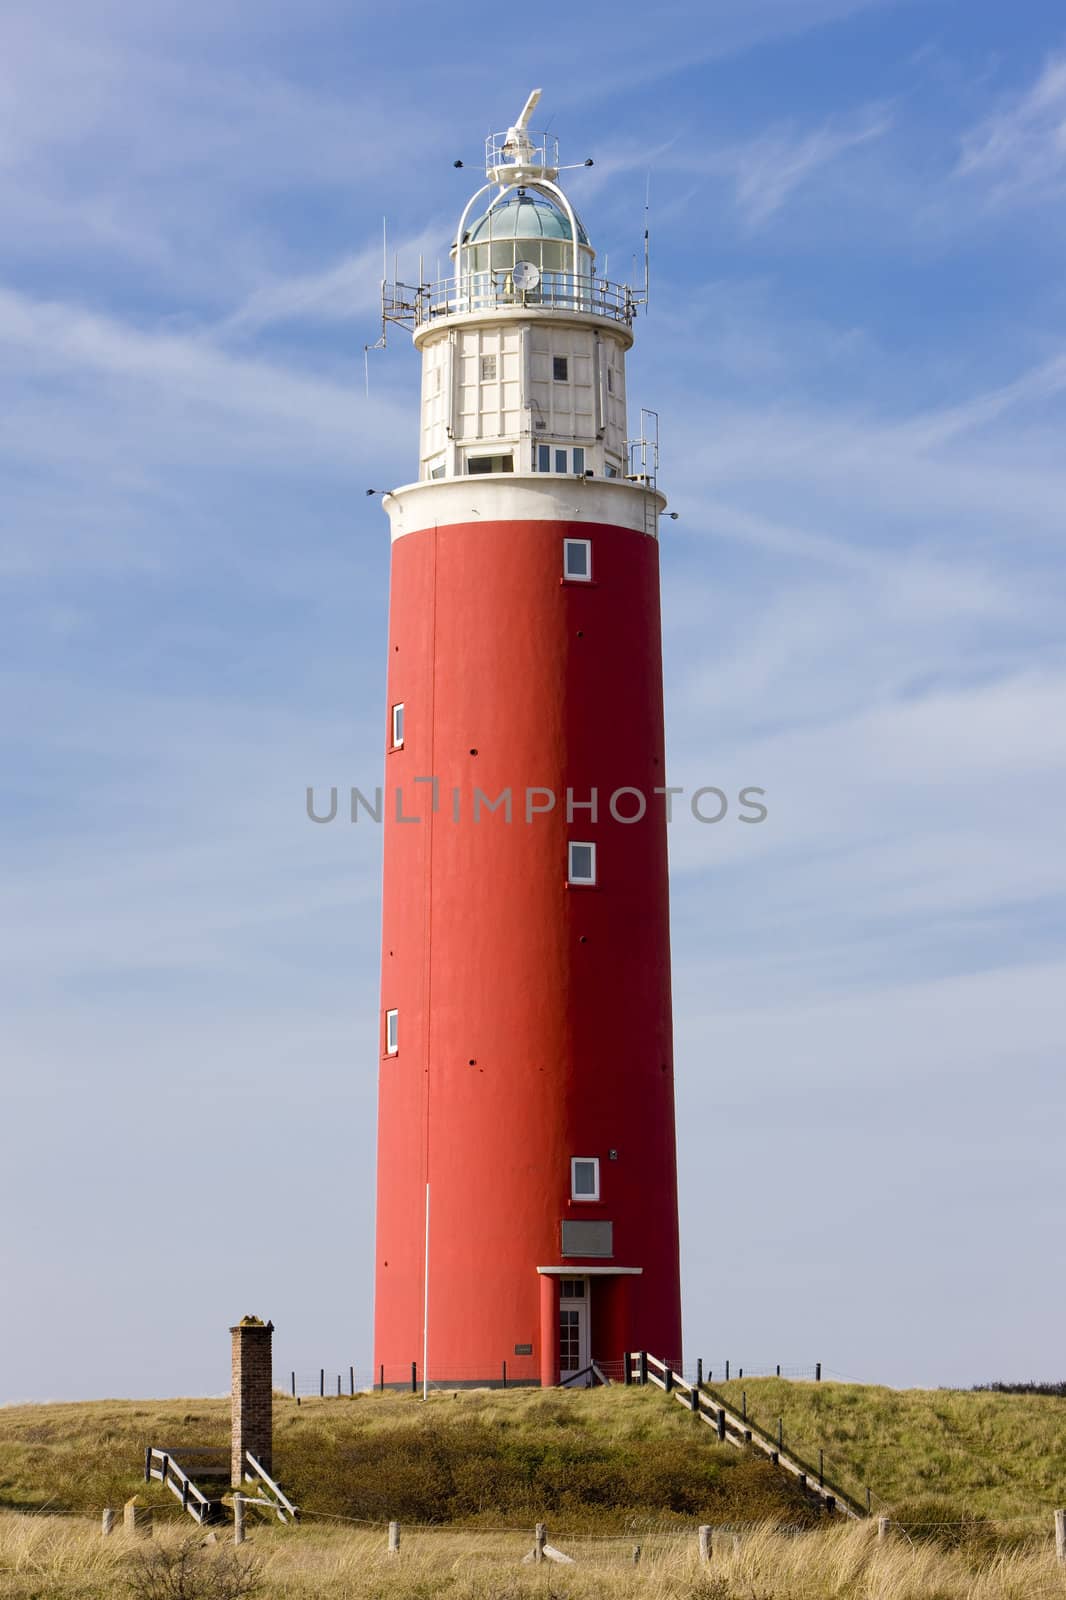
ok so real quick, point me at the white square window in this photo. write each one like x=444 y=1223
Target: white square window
x=585 y=1178
x=488 y=369
x=577 y=560
x=397 y=726
x=392 y=1032
x=582 y=864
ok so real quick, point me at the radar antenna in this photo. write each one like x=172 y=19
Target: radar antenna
x=518 y=146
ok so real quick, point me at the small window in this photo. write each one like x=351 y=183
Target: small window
x=579 y=460
x=488 y=369
x=609 y=471
x=560 y=368
x=397 y=726
x=438 y=472
x=582 y=863
x=544 y=458
x=610 y=381
x=571 y=1288
x=577 y=560
x=585 y=1178
x=490 y=464
x=392 y=1032
x=560 y=460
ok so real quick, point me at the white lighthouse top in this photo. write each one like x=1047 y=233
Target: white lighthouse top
x=519 y=247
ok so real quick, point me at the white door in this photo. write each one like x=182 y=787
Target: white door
x=573 y=1326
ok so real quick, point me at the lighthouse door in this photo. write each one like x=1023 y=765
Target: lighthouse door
x=573 y=1327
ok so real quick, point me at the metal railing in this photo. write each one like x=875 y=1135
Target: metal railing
x=414 y=305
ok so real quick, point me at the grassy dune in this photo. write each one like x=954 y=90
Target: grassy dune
x=591 y=1459
x=927 y=1454
x=44 y=1558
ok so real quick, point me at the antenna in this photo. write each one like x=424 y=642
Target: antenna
x=647 y=230
x=379 y=343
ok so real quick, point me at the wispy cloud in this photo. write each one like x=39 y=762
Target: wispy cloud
x=1020 y=151
x=769 y=169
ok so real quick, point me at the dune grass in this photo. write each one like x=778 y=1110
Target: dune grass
x=590 y=1459
x=928 y=1455
x=44 y=1558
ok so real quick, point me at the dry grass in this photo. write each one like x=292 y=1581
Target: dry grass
x=590 y=1459
x=929 y=1455
x=43 y=1558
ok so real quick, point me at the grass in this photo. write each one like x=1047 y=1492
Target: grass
x=928 y=1455
x=594 y=1459
x=46 y=1558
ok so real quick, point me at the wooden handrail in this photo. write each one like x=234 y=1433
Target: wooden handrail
x=282 y=1504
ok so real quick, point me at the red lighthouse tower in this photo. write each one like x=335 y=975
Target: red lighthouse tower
x=527 y=1191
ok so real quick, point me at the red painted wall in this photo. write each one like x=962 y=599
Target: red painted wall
x=534 y=1017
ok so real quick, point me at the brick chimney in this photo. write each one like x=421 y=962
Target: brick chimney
x=252 y=1395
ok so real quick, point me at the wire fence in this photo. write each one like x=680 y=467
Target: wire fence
x=512 y=1372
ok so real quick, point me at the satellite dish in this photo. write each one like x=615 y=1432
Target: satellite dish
x=525 y=276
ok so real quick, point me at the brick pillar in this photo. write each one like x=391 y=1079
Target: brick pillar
x=252 y=1395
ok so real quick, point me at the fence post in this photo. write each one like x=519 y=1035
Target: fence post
x=883 y=1525
x=668 y=1378
x=321 y=1383
x=747 y=1435
x=238 y=1518
x=821 y=1469
x=699 y=1373
x=694 y=1398
x=721 y=1423
x=740 y=1372
x=292 y=1380
x=148 y=1465
x=817 y=1372
x=779 y=1369
x=643 y=1367
x=107 y=1522
x=504 y=1375
x=338 y=1386
x=137 y=1517
x=381 y=1370
x=627 y=1368
x=394 y=1538
x=351 y=1381
x=540 y=1539
x=1060 y=1537
x=705 y=1541
x=414 y=1377
x=636 y=1555
x=727 y=1372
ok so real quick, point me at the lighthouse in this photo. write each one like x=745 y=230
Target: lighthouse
x=527 y=1225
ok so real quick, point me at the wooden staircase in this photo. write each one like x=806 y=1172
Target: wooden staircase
x=644 y=1368
x=173 y=1468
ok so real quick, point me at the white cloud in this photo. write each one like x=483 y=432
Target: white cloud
x=1020 y=151
x=769 y=169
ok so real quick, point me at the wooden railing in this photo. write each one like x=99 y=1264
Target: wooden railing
x=642 y=1367
x=270 y=1494
x=161 y=1465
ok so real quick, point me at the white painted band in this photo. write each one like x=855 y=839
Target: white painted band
x=523 y=497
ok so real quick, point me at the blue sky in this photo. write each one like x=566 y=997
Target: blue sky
x=856 y=347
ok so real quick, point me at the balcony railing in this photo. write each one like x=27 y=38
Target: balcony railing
x=415 y=305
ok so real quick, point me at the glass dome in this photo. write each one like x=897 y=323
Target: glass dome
x=524 y=216
x=525 y=227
